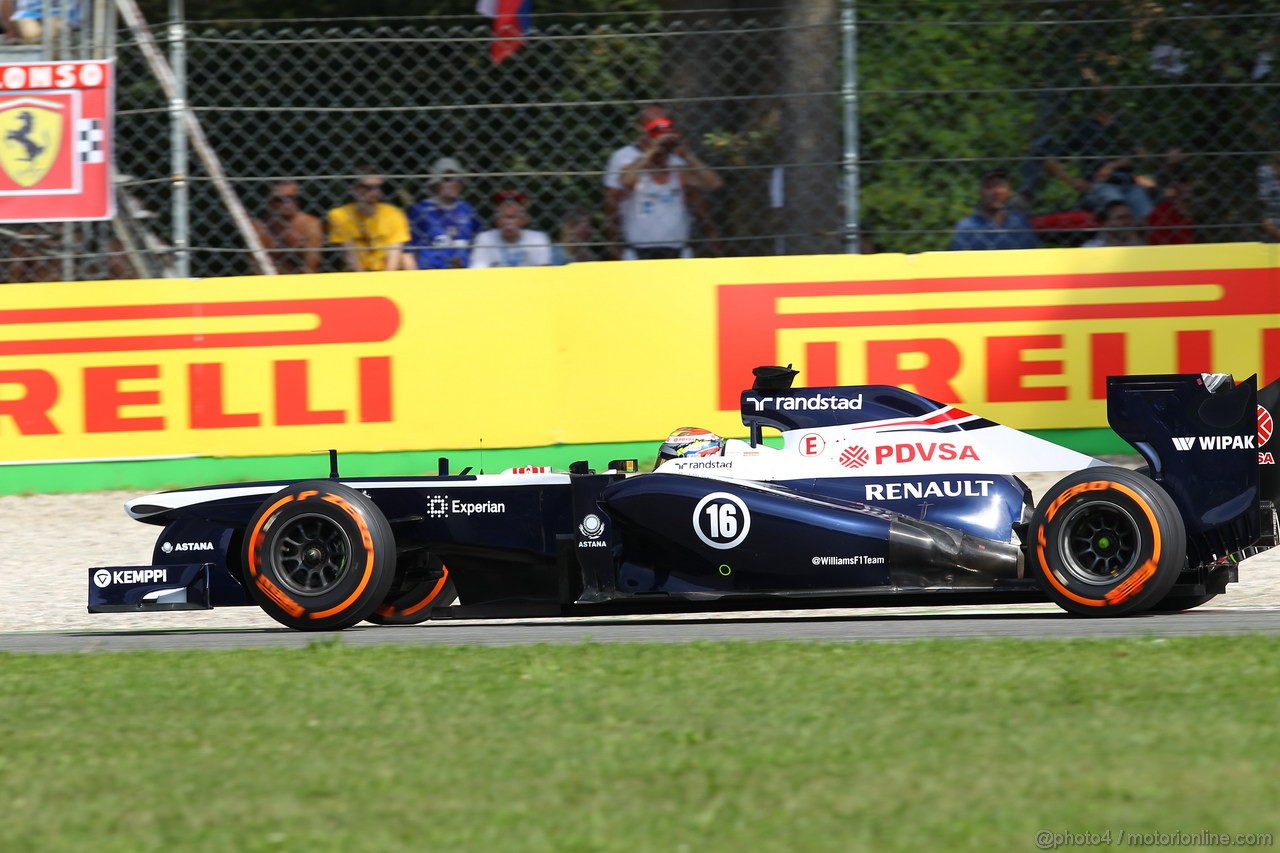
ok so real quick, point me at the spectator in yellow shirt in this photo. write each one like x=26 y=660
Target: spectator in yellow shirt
x=372 y=233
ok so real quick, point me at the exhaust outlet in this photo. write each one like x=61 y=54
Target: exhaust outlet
x=916 y=544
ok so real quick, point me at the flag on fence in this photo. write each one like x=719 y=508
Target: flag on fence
x=511 y=22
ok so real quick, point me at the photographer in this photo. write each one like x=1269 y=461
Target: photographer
x=650 y=188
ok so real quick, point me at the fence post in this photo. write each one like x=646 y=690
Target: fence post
x=178 y=141
x=849 y=44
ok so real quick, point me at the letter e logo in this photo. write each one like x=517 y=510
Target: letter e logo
x=812 y=444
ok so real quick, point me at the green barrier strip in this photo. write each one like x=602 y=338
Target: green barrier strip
x=176 y=473
x=52 y=478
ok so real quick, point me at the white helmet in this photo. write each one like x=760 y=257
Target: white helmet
x=689 y=441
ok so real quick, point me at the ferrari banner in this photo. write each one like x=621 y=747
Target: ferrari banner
x=606 y=352
x=55 y=141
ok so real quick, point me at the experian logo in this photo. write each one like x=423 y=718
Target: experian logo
x=1213 y=442
x=442 y=506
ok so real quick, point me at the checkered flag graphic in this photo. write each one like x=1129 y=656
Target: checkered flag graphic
x=89 y=136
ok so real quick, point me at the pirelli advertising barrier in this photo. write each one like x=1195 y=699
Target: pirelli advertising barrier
x=610 y=355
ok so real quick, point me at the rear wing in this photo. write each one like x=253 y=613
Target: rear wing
x=1201 y=435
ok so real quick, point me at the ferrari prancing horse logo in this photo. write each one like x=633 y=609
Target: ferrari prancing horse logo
x=31 y=131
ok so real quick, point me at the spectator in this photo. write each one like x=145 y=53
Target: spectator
x=651 y=185
x=1105 y=155
x=993 y=225
x=371 y=233
x=1171 y=221
x=27 y=20
x=444 y=225
x=1269 y=195
x=1115 y=227
x=511 y=244
x=576 y=236
x=295 y=240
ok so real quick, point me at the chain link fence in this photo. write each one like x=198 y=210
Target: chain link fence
x=1177 y=99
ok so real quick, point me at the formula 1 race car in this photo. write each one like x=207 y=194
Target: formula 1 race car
x=875 y=495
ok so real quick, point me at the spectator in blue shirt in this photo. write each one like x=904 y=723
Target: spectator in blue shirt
x=994 y=225
x=444 y=226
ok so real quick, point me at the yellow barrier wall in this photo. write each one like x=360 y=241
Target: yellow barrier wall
x=608 y=352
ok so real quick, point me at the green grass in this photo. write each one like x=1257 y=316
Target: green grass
x=710 y=746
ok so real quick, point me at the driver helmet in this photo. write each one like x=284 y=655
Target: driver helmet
x=687 y=442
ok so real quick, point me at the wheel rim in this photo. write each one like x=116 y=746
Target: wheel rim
x=1100 y=543
x=312 y=554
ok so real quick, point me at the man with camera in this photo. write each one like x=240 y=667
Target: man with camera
x=651 y=185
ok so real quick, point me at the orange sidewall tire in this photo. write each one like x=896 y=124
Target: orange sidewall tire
x=1106 y=542
x=319 y=556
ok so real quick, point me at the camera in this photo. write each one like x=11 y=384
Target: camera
x=660 y=127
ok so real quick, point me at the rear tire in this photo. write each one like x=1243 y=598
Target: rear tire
x=413 y=599
x=319 y=556
x=1107 y=542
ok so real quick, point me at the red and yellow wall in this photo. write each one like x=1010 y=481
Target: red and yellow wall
x=597 y=354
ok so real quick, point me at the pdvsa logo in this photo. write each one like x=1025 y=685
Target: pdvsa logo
x=924 y=451
x=854 y=457
x=1265 y=428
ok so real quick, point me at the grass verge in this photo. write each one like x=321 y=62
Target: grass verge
x=707 y=746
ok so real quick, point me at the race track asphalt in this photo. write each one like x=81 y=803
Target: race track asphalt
x=840 y=627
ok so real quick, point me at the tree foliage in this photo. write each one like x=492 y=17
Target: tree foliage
x=949 y=88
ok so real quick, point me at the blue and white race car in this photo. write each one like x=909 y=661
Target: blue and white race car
x=876 y=495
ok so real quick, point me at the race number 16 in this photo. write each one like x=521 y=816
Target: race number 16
x=721 y=520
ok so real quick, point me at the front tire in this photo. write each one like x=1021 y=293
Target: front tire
x=1178 y=603
x=1107 y=542
x=414 y=597
x=319 y=556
